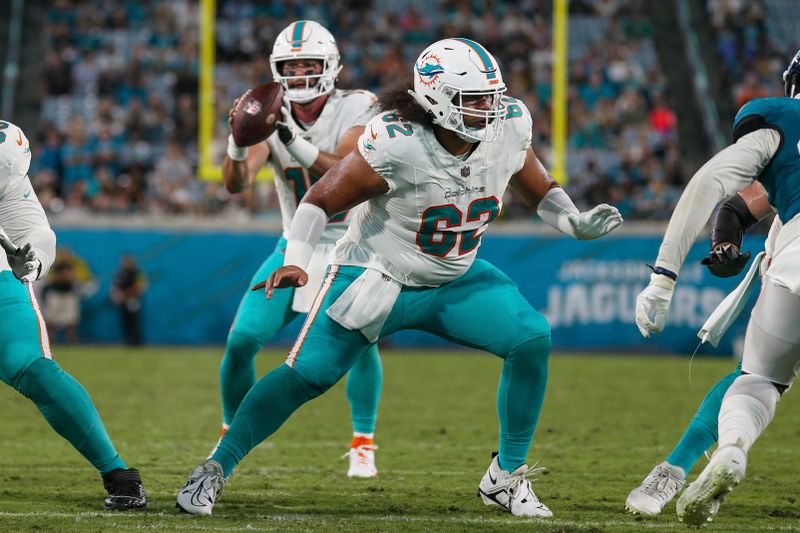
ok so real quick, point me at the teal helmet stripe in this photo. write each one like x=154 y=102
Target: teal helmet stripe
x=297 y=35
x=483 y=54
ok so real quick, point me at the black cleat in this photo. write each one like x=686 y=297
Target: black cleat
x=125 y=490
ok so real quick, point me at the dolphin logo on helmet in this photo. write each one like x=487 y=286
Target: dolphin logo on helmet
x=306 y=39
x=451 y=71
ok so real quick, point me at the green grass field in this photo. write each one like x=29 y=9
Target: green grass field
x=606 y=421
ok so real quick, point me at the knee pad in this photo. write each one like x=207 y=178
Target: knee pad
x=758 y=387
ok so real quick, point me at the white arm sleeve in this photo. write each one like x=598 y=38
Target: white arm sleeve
x=23 y=219
x=728 y=172
x=307 y=226
x=555 y=208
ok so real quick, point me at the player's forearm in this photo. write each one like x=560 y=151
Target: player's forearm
x=43 y=241
x=726 y=173
x=235 y=175
x=323 y=162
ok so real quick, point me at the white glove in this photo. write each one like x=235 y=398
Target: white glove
x=594 y=223
x=288 y=129
x=652 y=304
x=290 y=134
x=24 y=262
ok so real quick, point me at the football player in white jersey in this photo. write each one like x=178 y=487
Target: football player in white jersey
x=767 y=136
x=321 y=125
x=26 y=363
x=430 y=172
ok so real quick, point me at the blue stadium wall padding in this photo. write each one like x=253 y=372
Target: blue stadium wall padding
x=587 y=289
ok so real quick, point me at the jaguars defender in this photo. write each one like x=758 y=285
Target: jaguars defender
x=26 y=363
x=767 y=149
x=321 y=125
x=429 y=173
x=725 y=259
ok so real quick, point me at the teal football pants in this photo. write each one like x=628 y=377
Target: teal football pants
x=257 y=321
x=481 y=309
x=25 y=365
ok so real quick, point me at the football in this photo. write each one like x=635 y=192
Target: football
x=256 y=113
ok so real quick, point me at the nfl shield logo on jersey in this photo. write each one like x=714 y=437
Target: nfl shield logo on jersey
x=464 y=172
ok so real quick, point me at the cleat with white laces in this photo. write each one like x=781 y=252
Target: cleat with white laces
x=512 y=492
x=362 y=461
x=202 y=489
x=657 y=490
x=700 y=502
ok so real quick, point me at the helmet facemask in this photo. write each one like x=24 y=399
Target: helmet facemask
x=473 y=124
x=315 y=85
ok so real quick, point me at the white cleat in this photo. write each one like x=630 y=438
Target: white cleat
x=202 y=489
x=700 y=502
x=512 y=492
x=657 y=490
x=362 y=461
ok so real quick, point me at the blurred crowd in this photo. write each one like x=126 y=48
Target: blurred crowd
x=119 y=123
x=752 y=49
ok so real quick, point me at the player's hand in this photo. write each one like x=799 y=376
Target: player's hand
x=725 y=260
x=233 y=107
x=287 y=128
x=652 y=304
x=596 y=222
x=287 y=276
x=24 y=262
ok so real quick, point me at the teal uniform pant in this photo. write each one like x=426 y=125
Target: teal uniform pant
x=702 y=431
x=481 y=309
x=25 y=365
x=257 y=321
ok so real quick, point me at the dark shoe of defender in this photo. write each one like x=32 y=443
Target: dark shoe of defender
x=125 y=490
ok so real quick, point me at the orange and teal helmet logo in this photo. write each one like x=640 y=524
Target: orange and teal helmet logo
x=429 y=68
x=297 y=35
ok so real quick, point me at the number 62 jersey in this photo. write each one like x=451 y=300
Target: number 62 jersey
x=427 y=228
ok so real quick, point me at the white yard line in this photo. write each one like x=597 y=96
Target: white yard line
x=280 y=521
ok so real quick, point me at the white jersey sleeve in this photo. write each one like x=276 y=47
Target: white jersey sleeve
x=24 y=221
x=21 y=214
x=519 y=122
x=728 y=172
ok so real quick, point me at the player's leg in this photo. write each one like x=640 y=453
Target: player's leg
x=322 y=354
x=257 y=320
x=364 y=392
x=769 y=366
x=484 y=309
x=667 y=478
x=25 y=365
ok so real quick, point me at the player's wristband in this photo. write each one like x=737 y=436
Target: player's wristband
x=555 y=208
x=303 y=151
x=663 y=272
x=236 y=153
x=307 y=226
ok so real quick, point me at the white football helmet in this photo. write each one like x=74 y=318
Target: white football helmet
x=15 y=156
x=452 y=70
x=306 y=39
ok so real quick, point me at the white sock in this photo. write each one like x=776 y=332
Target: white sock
x=747 y=409
x=356 y=434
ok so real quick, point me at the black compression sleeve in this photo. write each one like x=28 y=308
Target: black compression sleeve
x=731 y=221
